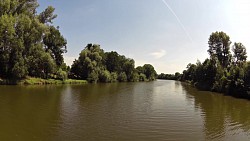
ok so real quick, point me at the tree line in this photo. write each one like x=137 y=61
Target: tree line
x=31 y=46
x=175 y=76
x=226 y=71
x=96 y=65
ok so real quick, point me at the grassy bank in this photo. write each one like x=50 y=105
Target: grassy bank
x=40 y=81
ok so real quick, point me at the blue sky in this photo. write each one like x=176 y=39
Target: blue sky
x=167 y=34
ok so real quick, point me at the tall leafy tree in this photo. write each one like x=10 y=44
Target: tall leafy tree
x=89 y=63
x=240 y=53
x=22 y=31
x=47 y=15
x=149 y=71
x=219 y=48
x=113 y=61
x=56 y=44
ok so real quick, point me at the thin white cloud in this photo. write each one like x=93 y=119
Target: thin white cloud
x=158 y=54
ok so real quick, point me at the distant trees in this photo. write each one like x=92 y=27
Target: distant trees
x=175 y=76
x=95 y=65
x=222 y=72
x=29 y=44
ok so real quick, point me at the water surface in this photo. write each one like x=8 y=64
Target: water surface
x=159 y=110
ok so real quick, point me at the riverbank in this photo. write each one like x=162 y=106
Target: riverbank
x=40 y=81
x=244 y=94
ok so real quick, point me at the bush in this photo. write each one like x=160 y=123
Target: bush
x=105 y=76
x=113 y=77
x=122 y=77
x=142 y=77
x=135 y=77
x=93 y=77
x=61 y=75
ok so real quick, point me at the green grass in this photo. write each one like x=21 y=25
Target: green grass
x=40 y=81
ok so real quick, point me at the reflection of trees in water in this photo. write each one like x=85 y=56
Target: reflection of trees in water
x=30 y=112
x=220 y=112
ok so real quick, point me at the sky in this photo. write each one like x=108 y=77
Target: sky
x=168 y=34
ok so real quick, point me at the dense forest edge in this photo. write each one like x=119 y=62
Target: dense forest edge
x=223 y=72
x=32 y=48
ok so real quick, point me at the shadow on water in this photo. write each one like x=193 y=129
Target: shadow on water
x=160 y=110
x=222 y=115
x=29 y=112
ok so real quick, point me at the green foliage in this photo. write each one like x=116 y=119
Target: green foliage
x=113 y=61
x=95 y=65
x=113 y=77
x=122 y=77
x=134 y=77
x=28 y=44
x=47 y=15
x=222 y=73
x=93 y=77
x=247 y=74
x=190 y=73
x=88 y=63
x=240 y=53
x=41 y=63
x=149 y=71
x=40 y=81
x=176 y=76
x=128 y=68
x=55 y=44
x=61 y=75
x=105 y=76
x=219 y=48
x=142 y=77
x=140 y=69
x=220 y=80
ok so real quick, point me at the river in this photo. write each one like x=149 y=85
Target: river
x=159 y=110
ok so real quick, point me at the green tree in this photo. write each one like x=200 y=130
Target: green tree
x=219 y=48
x=113 y=61
x=190 y=73
x=21 y=40
x=47 y=15
x=7 y=38
x=93 y=77
x=113 y=76
x=177 y=76
x=61 y=75
x=140 y=69
x=105 y=76
x=240 y=53
x=55 y=43
x=142 y=77
x=88 y=63
x=122 y=77
x=149 y=71
x=135 y=77
x=128 y=68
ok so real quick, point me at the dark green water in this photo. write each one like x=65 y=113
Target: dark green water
x=160 y=110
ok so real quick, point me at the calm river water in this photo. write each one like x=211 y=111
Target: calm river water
x=159 y=110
